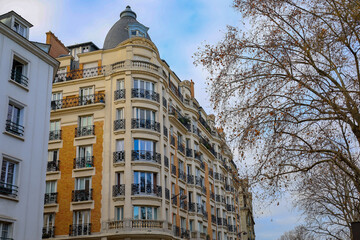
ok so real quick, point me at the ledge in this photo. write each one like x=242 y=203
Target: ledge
x=19 y=85
x=14 y=135
x=15 y=199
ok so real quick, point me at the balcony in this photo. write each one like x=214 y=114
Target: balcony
x=183 y=205
x=119 y=124
x=219 y=221
x=48 y=232
x=8 y=189
x=231 y=228
x=172 y=140
x=205 y=124
x=50 y=198
x=14 y=128
x=80 y=229
x=166 y=161
x=136 y=224
x=216 y=176
x=85 y=131
x=164 y=102
x=53 y=166
x=190 y=179
x=19 y=78
x=199 y=208
x=230 y=208
x=208 y=146
x=119 y=94
x=211 y=172
x=189 y=152
x=145 y=124
x=182 y=175
x=118 y=190
x=173 y=169
x=181 y=147
x=185 y=121
x=198 y=181
x=217 y=198
x=79 y=73
x=224 y=220
x=212 y=195
x=81 y=195
x=146 y=189
x=167 y=193
x=192 y=207
x=176 y=91
x=118 y=156
x=203 y=189
x=143 y=93
x=165 y=131
x=83 y=162
x=213 y=219
x=55 y=135
x=223 y=200
x=174 y=199
x=185 y=234
x=148 y=156
x=176 y=231
x=78 y=101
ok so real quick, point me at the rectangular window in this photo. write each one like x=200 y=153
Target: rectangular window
x=85 y=121
x=53 y=155
x=84 y=157
x=20 y=29
x=55 y=132
x=19 y=71
x=86 y=95
x=8 y=178
x=120 y=145
x=83 y=183
x=56 y=100
x=81 y=218
x=5 y=230
x=50 y=187
x=120 y=84
x=119 y=178
x=119 y=213
x=145 y=213
x=14 y=120
x=119 y=113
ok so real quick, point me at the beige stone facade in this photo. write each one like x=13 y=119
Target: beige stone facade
x=132 y=154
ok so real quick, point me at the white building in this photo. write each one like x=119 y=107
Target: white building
x=26 y=74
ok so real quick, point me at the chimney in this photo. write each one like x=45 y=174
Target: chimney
x=57 y=47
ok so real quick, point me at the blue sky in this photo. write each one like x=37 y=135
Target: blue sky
x=177 y=27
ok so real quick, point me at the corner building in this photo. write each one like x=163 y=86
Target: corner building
x=132 y=155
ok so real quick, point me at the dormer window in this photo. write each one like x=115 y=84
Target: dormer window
x=19 y=28
x=137 y=33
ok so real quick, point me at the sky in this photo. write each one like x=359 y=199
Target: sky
x=178 y=28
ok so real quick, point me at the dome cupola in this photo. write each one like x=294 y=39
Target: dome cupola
x=126 y=27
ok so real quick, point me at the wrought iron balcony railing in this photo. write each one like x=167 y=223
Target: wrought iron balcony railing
x=118 y=156
x=118 y=190
x=213 y=218
x=119 y=124
x=192 y=207
x=167 y=193
x=48 y=232
x=79 y=73
x=176 y=231
x=145 y=124
x=81 y=195
x=173 y=169
x=53 y=166
x=119 y=94
x=78 y=101
x=85 y=131
x=146 y=189
x=164 y=102
x=189 y=152
x=142 y=155
x=165 y=131
x=198 y=181
x=8 y=189
x=14 y=128
x=182 y=175
x=218 y=198
x=183 y=205
x=166 y=161
x=147 y=224
x=143 y=93
x=190 y=179
x=219 y=221
x=181 y=147
x=50 y=198
x=55 y=135
x=84 y=162
x=80 y=229
x=19 y=78
x=216 y=176
x=185 y=234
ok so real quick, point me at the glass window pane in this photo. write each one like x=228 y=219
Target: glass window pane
x=143 y=213
x=149 y=213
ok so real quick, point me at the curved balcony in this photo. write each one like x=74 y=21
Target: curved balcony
x=119 y=94
x=79 y=73
x=118 y=156
x=146 y=189
x=78 y=101
x=147 y=156
x=146 y=65
x=118 y=190
x=145 y=124
x=146 y=94
x=119 y=124
x=81 y=195
x=85 y=131
x=83 y=162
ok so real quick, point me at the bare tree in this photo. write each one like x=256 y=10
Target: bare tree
x=288 y=86
x=329 y=201
x=299 y=233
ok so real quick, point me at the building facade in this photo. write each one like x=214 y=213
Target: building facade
x=26 y=74
x=131 y=152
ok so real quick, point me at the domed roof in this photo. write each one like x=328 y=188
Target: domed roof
x=124 y=29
